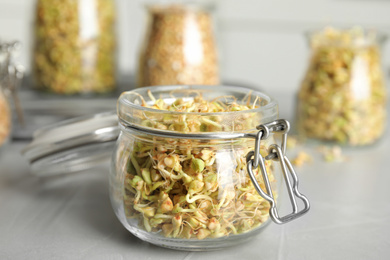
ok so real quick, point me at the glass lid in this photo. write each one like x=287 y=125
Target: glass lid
x=72 y=145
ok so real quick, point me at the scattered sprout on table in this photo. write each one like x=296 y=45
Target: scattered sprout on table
x=301 y=159
x=332 y=153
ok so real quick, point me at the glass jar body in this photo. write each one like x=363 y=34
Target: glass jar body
x=214 y=208
x=8 y=80
x=74 y=46
x=179 y=47
x=188 y=193
x=343 y=97
x=5 y=118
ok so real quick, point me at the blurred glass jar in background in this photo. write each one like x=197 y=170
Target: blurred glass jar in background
x=74 y=48
x=5 y=115
x=11 y=74
x=343 y=96
x=179 y=47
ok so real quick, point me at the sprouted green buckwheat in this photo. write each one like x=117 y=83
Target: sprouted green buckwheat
x=196 y=189
x=5 y=119
x=342 y=97
x=73 y=52
x=179 y=48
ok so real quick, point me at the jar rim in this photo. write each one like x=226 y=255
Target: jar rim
x=362 y=36
x=195 y=6
x=130 y=109
x=123 y=99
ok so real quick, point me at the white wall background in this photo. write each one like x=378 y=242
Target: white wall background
x=261 y=42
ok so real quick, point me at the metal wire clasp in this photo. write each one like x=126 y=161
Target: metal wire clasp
x=277 y=153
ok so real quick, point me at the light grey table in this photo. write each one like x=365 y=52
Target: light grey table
x=70 y=217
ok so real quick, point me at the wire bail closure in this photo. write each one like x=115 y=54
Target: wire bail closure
x=277 y=153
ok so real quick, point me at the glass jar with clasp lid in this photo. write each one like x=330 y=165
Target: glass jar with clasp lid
x=193 y=168
x=196 y=167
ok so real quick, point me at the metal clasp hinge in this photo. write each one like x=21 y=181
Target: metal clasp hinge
x=277 y=153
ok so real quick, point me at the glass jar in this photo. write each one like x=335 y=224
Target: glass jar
x=342 y=97
x=11 y=74
x=74 y=46
x=5 y=117
x=179 y=47
x=184 y=173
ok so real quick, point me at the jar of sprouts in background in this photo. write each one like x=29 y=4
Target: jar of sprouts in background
x=11 y=74
x=5 y=116
x=179 y=46
x=74 y=46
x=342 y=98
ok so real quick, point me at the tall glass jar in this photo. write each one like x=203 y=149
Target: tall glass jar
x=342 y=98
x=5 y=117
x=74 y=46
x=184 y=174
x=10 y=76
x=179 y=47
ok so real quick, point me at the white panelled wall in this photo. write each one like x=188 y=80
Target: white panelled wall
x=261 y=42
